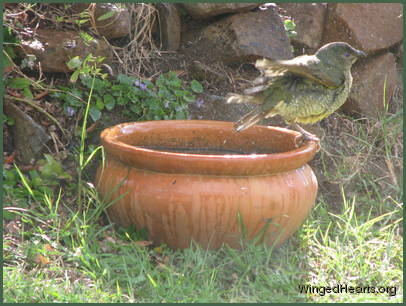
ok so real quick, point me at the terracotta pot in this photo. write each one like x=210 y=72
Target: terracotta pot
x=212 y=199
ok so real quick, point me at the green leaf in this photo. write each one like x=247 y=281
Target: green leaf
x=122 y=101
x=80 y=21
x=10 y=51
x=27 y=93
x=179 y=93
x=117 y=88
x=106 y=15
x=71 y=100
x=125 y=79
x=19 y=83
x=8 y=35
x=135 y=108
x=37 y=182
x=99 y=85
x=94 y=113
x=50 y=168
x=289 y=25
x=188 y=97
x=196 y=86
x=100 y=104
x=9 y=215
x=74 y=63
x=87 y=38
x=74 y=76
x=86 y=80
x=109 y=102
x=10 y=121
x=163 y=92
x=77 y=92
x=180 y=115
x=10 y=177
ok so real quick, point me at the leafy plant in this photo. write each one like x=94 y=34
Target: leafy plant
x=290 y=27
x=87 y=67
x=19 y=189
x=9 y=42
x=8 y=120
x=23 y=84
x=167 y=98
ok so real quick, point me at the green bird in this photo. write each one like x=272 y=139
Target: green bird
x=305 y=89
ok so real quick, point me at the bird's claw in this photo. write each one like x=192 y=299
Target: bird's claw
x=306 y=137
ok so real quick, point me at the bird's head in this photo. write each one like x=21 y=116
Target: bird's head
x=339 y=54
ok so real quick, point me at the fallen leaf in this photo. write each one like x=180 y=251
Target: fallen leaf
x=14 y=93
x=41 y=95
x=48 y=247
x=10 y=159
x=41 y=260
x=143 y=243
x=92 y=127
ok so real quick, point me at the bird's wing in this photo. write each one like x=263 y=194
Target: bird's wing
x=306 y=65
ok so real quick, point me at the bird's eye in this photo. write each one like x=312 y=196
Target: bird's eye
x=346 y=54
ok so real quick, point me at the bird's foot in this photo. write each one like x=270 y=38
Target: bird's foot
x=306 y=137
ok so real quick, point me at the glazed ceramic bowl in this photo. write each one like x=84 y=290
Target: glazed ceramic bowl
x=199 y=180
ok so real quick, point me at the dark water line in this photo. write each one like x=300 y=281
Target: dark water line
x=204 y=151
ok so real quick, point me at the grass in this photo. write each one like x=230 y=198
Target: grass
x=57 y=254
x=89 y=263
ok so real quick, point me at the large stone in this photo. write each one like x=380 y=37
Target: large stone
x=118 y=23
x=309 y=19
x=29 y=137
x=170 y=26
x=366 y=95
x=245 y=37
x=53 y=48
x=206 y=10
x=371 y=27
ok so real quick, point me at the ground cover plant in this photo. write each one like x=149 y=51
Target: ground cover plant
x=59 y=245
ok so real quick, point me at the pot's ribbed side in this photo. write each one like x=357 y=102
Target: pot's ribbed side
x=177 y=208
x=121 y=142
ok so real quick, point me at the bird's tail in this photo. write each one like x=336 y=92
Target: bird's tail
x=249 y=119
x=235 y=98
x=263 y=63
x=256 y=98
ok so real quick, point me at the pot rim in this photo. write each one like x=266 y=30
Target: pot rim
x=172 y=162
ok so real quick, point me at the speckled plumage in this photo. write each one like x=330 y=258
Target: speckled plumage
x=305 y=89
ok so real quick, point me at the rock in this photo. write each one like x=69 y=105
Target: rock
x=170 y=26
x=54 y=48
x=366 y=95
x=206 y=10
x=117 y=25
x=309 y=19
x=29 y=137
x=245 y=37
x=371 y=27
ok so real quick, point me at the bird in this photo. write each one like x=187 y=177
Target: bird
x=305 y=89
